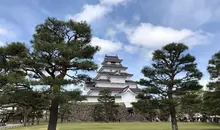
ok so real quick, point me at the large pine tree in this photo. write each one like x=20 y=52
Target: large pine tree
x=173 y=73
x=60 y=50
x=60 y=54
x=14 y=86
x=212 y=98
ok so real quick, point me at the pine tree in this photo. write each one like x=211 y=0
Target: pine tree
x=15 y=88
x=191 y=103
x=173 y=73
x=212 y=98
x=146 y=105
x=66 y=103
x=60 y=49
x=108 y=105
x=60 y=54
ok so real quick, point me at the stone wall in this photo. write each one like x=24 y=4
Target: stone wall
x=83 y=112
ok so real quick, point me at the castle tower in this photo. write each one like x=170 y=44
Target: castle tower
x=113 y=75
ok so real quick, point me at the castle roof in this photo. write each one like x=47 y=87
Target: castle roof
x=111 y=59
x=107 y=80
x=120 y=90
x=92 y=84
x=114 y=65
x=115 y=73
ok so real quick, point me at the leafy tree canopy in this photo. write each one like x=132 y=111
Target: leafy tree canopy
x=173 y=73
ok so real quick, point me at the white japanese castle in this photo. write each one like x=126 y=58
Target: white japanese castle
x=112 y=75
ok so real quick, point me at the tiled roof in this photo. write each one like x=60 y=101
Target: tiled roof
x=114 y=66
x=111 y=66
x=135 y=90
x=115 y=73
x=107 y=80
x=112 y=59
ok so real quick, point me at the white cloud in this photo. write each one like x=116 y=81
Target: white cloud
x=91 y=13
x=136 y=18
x=112 y=2
x=111 y=33
x=150 y=36
x=146 y=54
x=3 y=31
x=130 y=49
x=5 y=34
x=125 y=28
x=107 y=46
x=198 y=38
x=2 y=43
x=189 y=16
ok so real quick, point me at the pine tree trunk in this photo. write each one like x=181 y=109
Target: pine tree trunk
x=173 y=118
x=172 y=109
x=25 y=115
x=53 y=115
x=25 y=120
x=38 y=121
x=32 y=122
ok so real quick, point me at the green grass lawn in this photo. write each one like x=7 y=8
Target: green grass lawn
x=125 y=126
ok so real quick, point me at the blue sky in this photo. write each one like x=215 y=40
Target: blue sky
x=131 y=29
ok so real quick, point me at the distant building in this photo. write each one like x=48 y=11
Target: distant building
x=113 y=75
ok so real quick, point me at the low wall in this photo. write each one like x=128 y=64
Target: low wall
x=83 y=112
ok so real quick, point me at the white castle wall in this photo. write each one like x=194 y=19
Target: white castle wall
x=111 y=85
x=96 y=93
x=126 y=98
x=95 y=99
x=103 y=77
x=115 y=85
x=117 y=79
x=113 y=69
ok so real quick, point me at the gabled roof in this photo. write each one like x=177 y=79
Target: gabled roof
x=120 y=90
x=121 y=74
x=115 y=73
x=107 y=80
x=128 y=89
x=114 y=66
x=111 y=59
